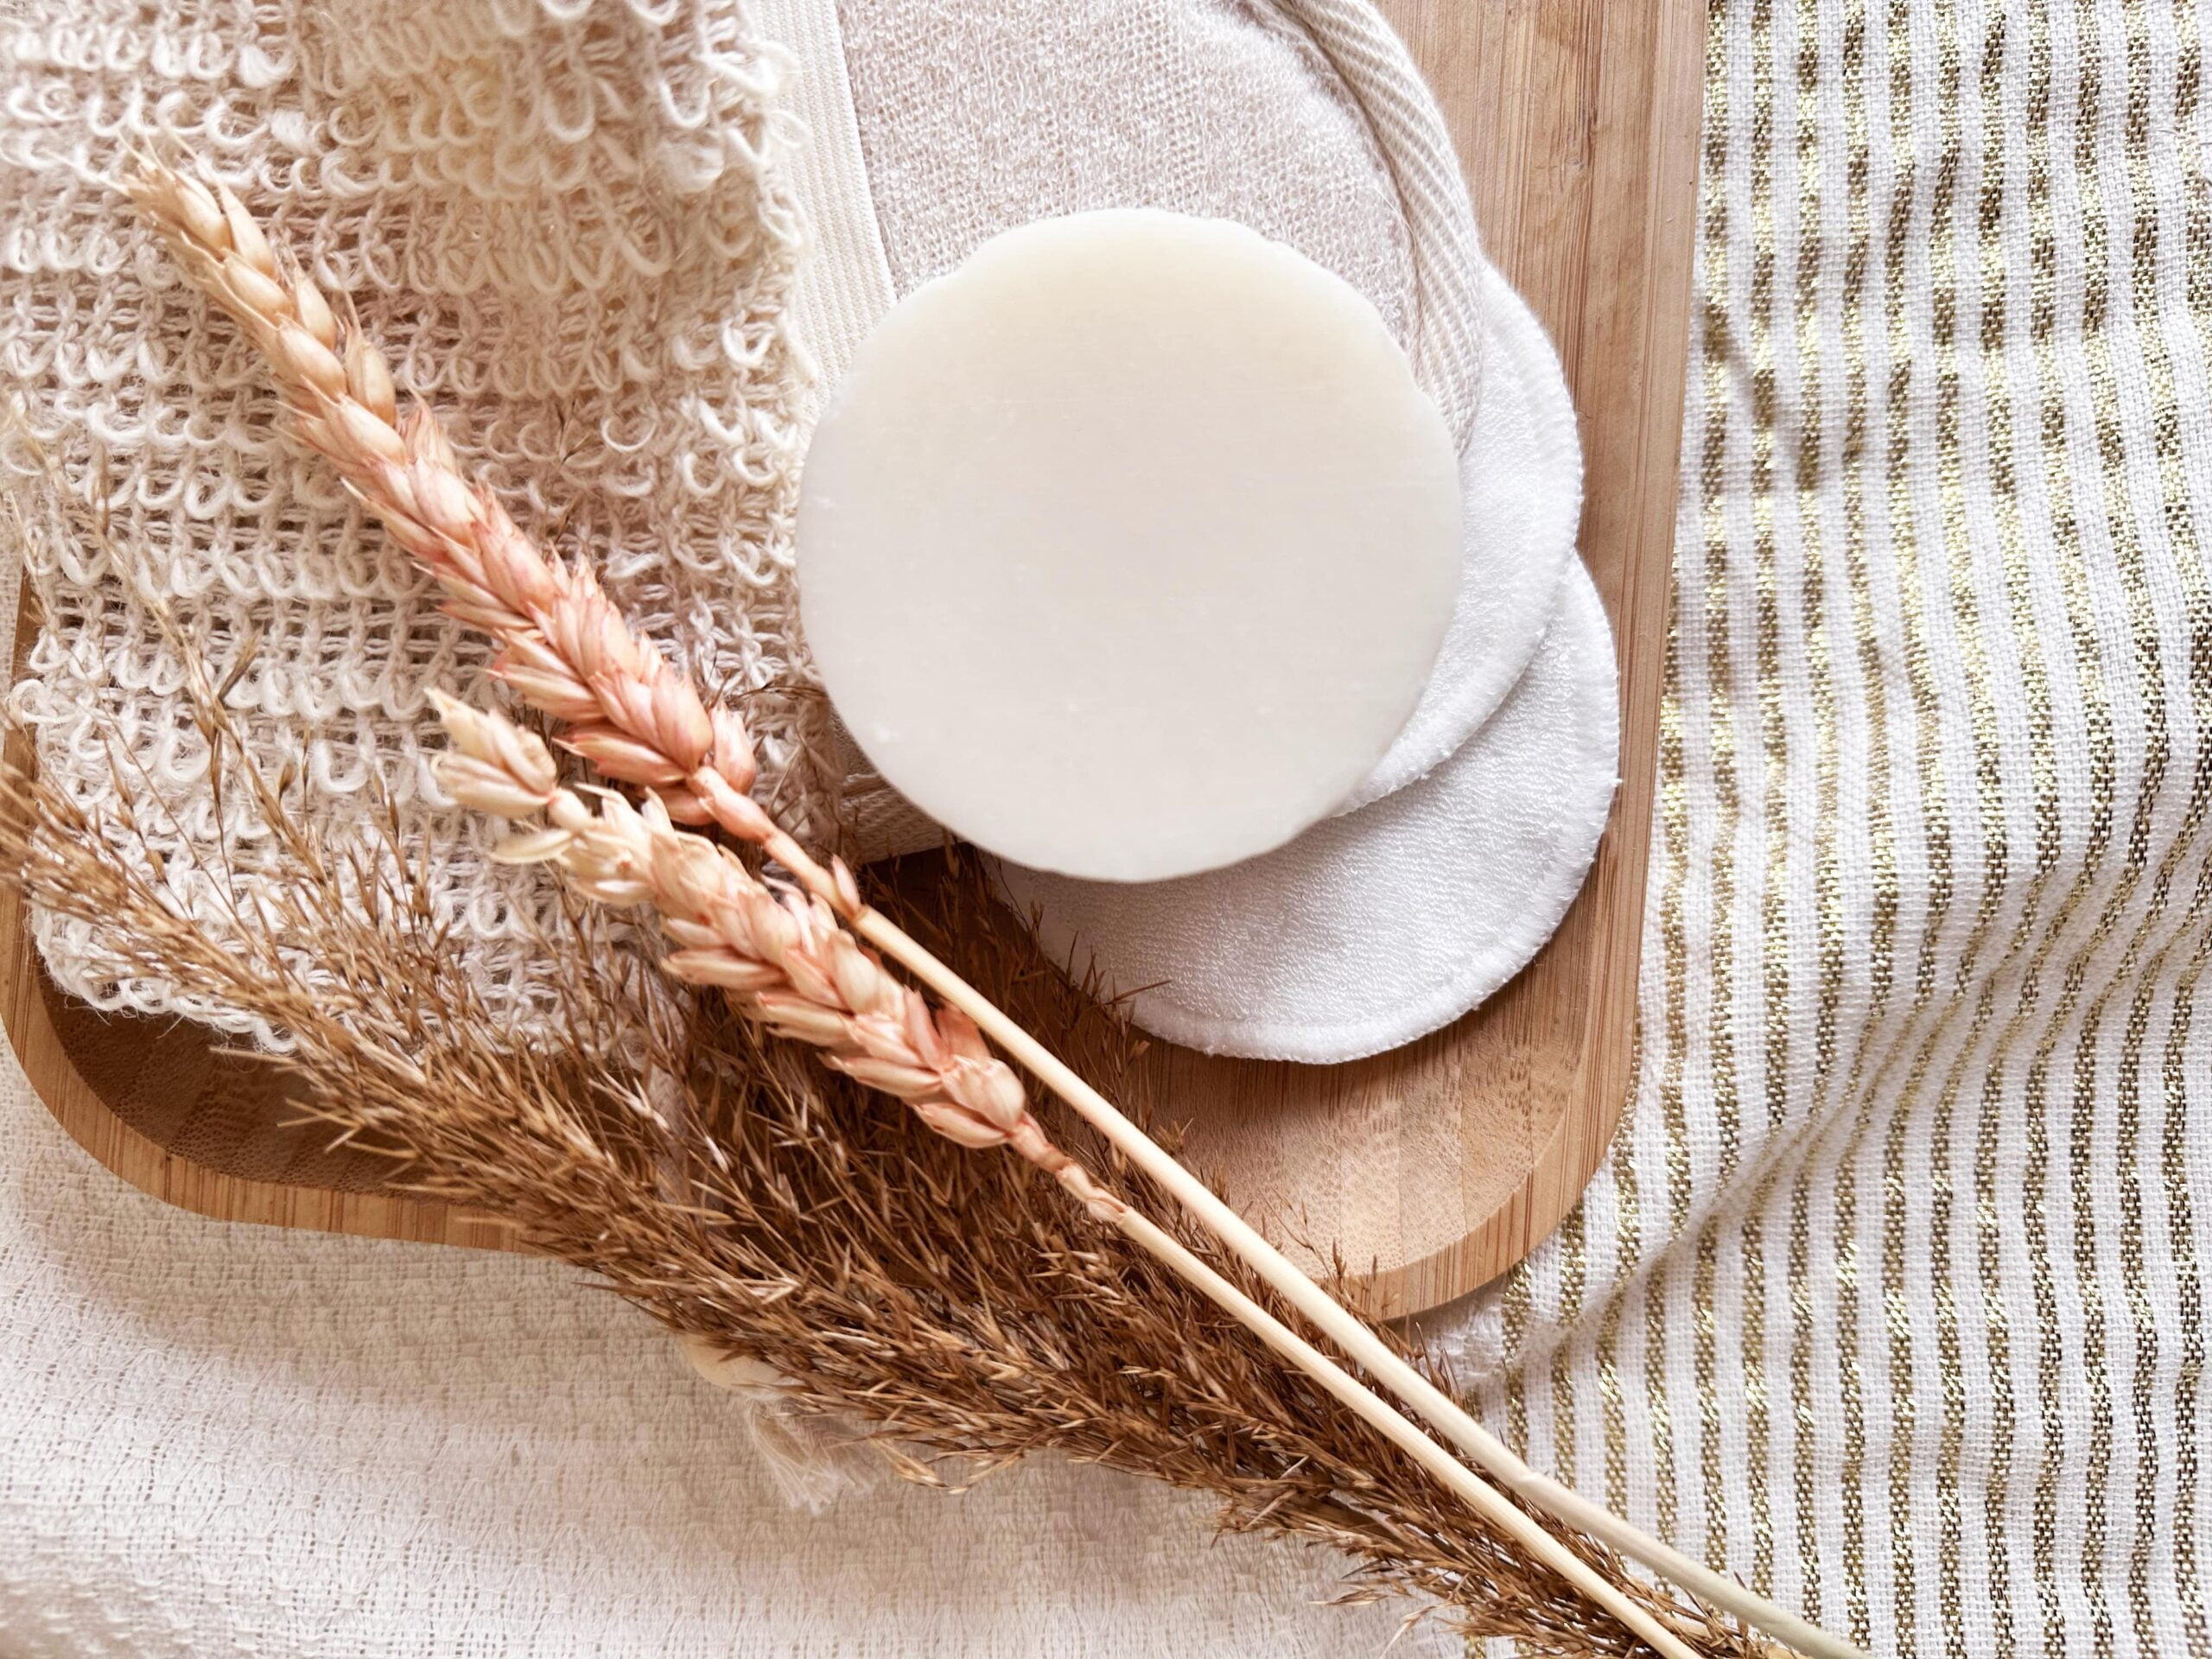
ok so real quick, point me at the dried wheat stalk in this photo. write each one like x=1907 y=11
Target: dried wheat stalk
x=567 y=652
x=767 y=1210
x=783 y=958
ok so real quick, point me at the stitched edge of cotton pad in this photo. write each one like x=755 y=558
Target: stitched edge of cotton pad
x=1521 y=489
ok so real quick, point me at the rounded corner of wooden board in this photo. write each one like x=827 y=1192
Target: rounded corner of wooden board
x=29 y=1003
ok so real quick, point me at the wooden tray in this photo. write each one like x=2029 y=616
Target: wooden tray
x=1432 y=1169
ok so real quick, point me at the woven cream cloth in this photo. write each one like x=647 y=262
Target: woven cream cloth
x=1892 y=1296
x=569 y=225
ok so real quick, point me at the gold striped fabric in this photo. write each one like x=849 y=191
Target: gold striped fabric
x=1892 y=1297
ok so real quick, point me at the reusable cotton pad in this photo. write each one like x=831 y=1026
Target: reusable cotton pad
x=1522 y=479
x=1379 y=926
x=1124 y=549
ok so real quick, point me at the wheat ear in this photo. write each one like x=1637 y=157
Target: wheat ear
x=782 y=957
x=785 y=960
x=567 y=652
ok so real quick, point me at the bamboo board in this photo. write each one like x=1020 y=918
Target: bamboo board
x=1430 y=1170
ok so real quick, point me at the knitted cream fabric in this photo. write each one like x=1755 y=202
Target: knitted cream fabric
x=1304 y=119
x=976 y=119
x=566 y=223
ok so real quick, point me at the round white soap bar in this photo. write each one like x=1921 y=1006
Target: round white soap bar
x=1125 y=548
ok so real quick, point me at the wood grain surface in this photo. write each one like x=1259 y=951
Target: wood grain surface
x=1430 y=1170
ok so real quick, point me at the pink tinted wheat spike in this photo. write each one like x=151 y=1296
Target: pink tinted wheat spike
x=566 y=649
x=785 y=960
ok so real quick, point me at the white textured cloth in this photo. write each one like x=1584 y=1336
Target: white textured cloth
x=566 y=225
x=976 y=119
x=1378 y=927
x=1303 y=118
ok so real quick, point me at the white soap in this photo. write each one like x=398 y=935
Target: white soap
x=1124 y=549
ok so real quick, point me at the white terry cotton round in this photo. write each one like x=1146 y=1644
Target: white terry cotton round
x=1521 y=476
x=1379 y=926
